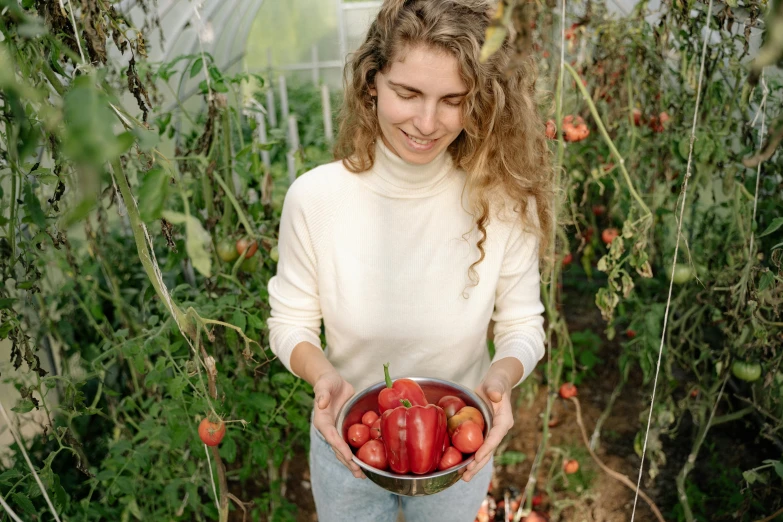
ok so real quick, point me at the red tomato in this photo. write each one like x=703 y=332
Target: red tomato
x=609 y=234
x=358 y=434
x=534 y=516
x=599 y=210
x=571 y=466
x=538 y=499
x=211 y=433
x=630 y=333
x=567 y=259
x=468 y=437
x=451 y=405
x=451 y=457
x=369 y=418
x=373 y=454
x=551 y=129
x=375 y=430
x=637 y=117
x=248 y=247
x=567 y=390
x=468 y=413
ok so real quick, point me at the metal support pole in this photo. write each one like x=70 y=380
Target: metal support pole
x=271 y=110
x=341 y=32
x=262 y=138
x=293 y=146
x=326 y=104
x=283 y=98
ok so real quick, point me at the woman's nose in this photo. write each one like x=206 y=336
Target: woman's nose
x=426 y=122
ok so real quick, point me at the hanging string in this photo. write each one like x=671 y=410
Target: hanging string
x=762 y=106
x=683 y=197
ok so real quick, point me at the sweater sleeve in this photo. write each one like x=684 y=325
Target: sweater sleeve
x=293 y=291
x=518 y=314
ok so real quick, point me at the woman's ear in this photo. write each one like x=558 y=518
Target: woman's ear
x=373 y=91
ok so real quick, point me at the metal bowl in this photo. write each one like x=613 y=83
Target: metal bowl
x=412 y=485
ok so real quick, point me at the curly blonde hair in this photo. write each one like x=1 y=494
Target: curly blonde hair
x=502 y=148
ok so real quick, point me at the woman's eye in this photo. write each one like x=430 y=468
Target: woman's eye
x=452 y=104
x=404 y=97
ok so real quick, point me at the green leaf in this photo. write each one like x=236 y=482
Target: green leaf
x=152 y=194
x=256 y=322
x=777 y=465
x=197 y=66
x=147 y=139
x=228 y=450
x=6 y=302
x=196 y=241
x=24 y=503
x=33 y=207
x=23 y=406
x=8 y=477
x=510 y=458
x=766 y=281
x=752 y=476
x=79 y=211
x=776 y=224
x=89 y=125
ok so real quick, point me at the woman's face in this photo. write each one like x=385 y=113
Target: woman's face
x=419 y=102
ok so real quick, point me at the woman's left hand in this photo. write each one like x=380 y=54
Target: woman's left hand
x=496 y=390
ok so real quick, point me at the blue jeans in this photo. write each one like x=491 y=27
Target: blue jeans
x=339 y=496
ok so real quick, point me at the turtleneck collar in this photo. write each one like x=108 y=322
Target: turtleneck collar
x=396 y=177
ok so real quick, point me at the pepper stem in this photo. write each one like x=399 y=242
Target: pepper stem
x=386 y=375
x=406 y=403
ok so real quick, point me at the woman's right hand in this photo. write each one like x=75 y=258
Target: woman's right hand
x=331 y=393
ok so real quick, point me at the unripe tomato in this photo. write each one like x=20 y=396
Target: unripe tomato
x=746 y=371
x=249 y=265
x=247 y=246
x=609 y=234
x=373 y=453
x=468 y=437
x=571 y=466
x=451 y=457
x=451 y=405
x=682 y=274
x=211 y=433
x=468 y=413
x=375 y=429
x=358 y=434
x=369 y=418
x=226 y=251
x=274 y=254
x=567 y=390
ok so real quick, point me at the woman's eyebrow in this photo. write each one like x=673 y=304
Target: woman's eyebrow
x=417 y=91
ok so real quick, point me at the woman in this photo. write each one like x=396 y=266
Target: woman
x=429 y=226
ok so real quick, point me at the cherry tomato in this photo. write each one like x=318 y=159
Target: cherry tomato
x=247 y=246
x=747 y=371
x=226 y=250
x=375 y=429
x=451 y=457
x=567 y=390
x=468 y=413
x=682 y=274
x=599 y=210
x=211 y=433
x=609 y=234
x=630 y=333
x=468 y=437
x=373 y=454
x=249 y=265
x=451 y=405
x=369 y=418
x=571 y=466
x=538 y=499
x=551 y=130
x=274 y=254
x=569 y=257
x=637 y=117
x=358 y=434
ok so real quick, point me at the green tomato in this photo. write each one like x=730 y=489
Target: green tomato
x=682 y=274
x=274 y=254
x=250 y=265
x=747 y=371
x=227 y=251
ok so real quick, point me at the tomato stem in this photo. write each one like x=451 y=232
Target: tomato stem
x=386 y=375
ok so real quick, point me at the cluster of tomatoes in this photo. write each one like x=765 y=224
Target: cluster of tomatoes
x=465 y=435
x=229 y=250
x=574 y=129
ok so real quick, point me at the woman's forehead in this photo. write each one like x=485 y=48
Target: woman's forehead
x=425 y=70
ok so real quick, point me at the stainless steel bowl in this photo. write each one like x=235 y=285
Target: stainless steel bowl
x=412 y=485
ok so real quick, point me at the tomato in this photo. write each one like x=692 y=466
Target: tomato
x=682 y=274
x=468 y=437
x=746 y=371
x=599 y=210
x=609 y=234
x=211 y=433
x=451 y=457
x=247 y=246
x=567 y=390
x=658 y=123
x=358 y=434
x=538 y=499
x=630 y=333
x=569 y=257
x=534 y=516
x=274 y=254
x=451 y=405
x=637 y=117
x=468 y=413
x=375 y=430
x=571 y=466
x=551 y=129
x=226 y=250
x=373 y=454
x=369 y=418
x=249 y=265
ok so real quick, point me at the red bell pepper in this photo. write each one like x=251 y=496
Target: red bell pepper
x=413 y=437
x=390 y=397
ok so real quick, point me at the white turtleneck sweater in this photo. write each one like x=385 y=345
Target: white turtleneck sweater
x=382 y=258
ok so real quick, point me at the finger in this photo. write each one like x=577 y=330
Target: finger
x=493 y=440
x=323 y=398
x=474 y=467
x=352 y=467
